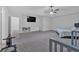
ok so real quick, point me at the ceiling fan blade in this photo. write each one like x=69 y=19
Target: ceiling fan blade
x=51 y=9
x=56 y=10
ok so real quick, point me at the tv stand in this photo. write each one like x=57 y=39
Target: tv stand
x=26 y=29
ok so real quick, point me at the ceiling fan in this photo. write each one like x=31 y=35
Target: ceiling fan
x=52 y=10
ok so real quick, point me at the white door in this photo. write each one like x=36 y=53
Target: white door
x=14 y=25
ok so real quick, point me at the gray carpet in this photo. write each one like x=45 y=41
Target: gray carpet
x=37 y=41
x=34 y=41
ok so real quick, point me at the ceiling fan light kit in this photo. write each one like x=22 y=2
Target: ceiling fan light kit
x=52 y=11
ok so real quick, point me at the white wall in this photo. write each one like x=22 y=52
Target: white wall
x=42 y=23
x=49 y=23
x=46 y=21
x=34 y=25
x=66 y=21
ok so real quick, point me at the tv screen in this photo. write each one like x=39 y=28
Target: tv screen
x=31 y=19
x=76 y=24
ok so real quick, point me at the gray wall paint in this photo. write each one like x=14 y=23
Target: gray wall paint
x=66 y=21
x=49 y=23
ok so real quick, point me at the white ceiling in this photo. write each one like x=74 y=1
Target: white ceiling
x=41 y=10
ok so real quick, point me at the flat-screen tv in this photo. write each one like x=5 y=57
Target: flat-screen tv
x=76 y=25
x=31 y=19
